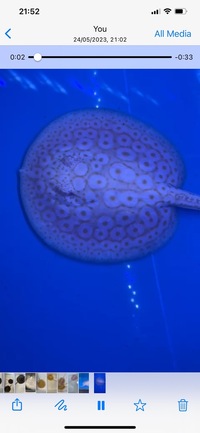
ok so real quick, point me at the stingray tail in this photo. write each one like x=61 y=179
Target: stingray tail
x=181 y=198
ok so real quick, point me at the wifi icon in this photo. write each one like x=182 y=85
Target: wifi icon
x=167 y=10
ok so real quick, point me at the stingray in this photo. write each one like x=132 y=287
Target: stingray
x=101 y=186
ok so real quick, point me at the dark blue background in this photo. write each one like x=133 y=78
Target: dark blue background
x=63 y=315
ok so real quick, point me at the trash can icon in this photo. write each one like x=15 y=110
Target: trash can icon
x=182 y=405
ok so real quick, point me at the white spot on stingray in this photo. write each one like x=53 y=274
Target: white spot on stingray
x=48 y=215
x=128 y=198
x=117 y=233
x=124 y=140
x=78 y=183
x=62 y=211
x=81 y=169
x=101 y=234
x=102 y=158
x=96 y=181
x=84 y=143
x=126 y=154
x=106 y=222
x=83 y=213
x=85 y=231
x=124 y=217
x=119 y=171
x=111 y=198
x=106 y=140
x=144 y=182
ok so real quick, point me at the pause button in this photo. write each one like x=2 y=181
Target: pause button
x=100 y=405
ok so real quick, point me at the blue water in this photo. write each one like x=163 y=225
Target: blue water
x=59 y=314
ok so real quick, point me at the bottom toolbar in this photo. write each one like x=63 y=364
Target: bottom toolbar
x=147 y=403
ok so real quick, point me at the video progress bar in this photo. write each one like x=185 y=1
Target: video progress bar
x=103 y=57
x=103 y=427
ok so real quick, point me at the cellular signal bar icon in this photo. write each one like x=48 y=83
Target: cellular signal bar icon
x=156 y=12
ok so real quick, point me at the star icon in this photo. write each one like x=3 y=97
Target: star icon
x=139 y=405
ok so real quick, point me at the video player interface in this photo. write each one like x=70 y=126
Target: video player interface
x=100 y=200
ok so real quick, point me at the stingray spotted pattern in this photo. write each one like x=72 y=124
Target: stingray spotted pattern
x=98 y=185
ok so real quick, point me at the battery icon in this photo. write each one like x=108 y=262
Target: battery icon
x=182 y=11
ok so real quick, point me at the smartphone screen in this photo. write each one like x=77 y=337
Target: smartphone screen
x=99 y=217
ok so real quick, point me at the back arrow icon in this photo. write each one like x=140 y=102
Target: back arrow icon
x=6 y=33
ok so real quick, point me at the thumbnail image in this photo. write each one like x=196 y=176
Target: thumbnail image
x=20 y=382
x=41 y=382
x=9 y=382
x=30 y=382
x=83 y=383
x=73 y=383
x=52 y=382
x=99 y=383
x=101 y=224
x=1 y=382
x=44 y=382
x=62 y=382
